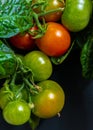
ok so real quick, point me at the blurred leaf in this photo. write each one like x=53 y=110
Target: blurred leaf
x=34 y=121
x=86 y=58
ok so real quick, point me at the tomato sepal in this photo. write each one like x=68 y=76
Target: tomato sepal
x=60 y=59
x=34 y=121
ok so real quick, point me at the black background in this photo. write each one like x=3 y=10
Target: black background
x=77 y=113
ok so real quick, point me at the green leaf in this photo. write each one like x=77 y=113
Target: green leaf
x=86 y=58
x=7 y=61
x=34 y=122
x=15 y=17
x=59 y=60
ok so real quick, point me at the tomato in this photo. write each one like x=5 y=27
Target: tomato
x=51 y=5
x=16 y=112
x=77 y=14
x=40 y=65
x=56 y=40
x=49 y=101
x=23 y=41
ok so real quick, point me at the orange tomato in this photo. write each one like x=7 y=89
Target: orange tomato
x=56 y=40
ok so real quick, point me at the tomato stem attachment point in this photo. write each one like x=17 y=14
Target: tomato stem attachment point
x=50 y=11
x=32 y=87
x=41 y=29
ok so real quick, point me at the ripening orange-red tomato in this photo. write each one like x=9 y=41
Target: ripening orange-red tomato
x=56 y=40
x=23 y=41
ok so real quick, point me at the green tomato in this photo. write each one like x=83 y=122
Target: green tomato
x=76 y=15
x=40 y=65
x=49 y=101
x=16 y=112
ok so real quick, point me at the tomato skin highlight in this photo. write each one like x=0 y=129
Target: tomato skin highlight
x=49 y=101
x=16 y=112
x=40 y=65
x=56 y=40
x=76 y=14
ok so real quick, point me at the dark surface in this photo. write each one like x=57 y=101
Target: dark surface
x=77 y=113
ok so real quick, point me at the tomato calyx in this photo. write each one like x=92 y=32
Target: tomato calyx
x=7 y=90
x=50 y=11
x=41 y=28
x=26 y=77
x=20 y=80
x=41 y=25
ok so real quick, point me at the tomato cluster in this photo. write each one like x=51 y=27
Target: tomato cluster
x=32 y=92
x=61 y=17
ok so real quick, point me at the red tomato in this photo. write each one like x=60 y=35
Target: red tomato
x=23 y=41
x=56 y=40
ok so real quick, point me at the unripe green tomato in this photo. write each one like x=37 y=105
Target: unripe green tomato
x=16 y=112
x=40 y=65
x=76 y=14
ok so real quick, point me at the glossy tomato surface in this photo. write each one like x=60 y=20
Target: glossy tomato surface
x=56 y=40
x=40 y=65
x=77 y=14
x=77 y=113
x=49 y=101
x=16 y=112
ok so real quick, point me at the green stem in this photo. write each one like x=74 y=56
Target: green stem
x=50 y=11
x=59 y=60
x=12 y=83
x=28 y=83
x=30 y=100
x=37 y=21
x=32 y=88
x=6 y=85
x=19 y=90
x=7 y=90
